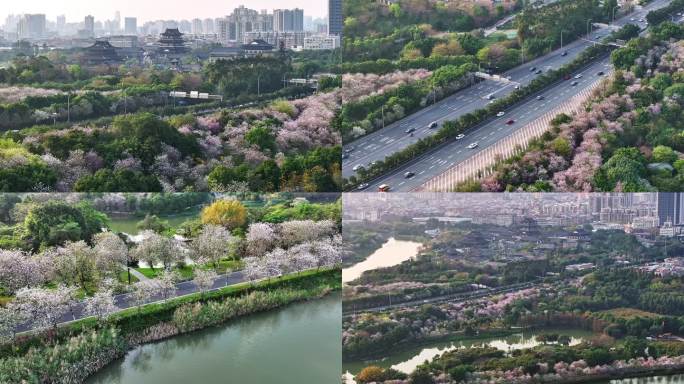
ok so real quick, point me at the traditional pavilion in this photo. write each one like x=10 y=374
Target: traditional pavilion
x=171 y=43
x=101 y=53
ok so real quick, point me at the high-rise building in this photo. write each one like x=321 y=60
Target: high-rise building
x=288 y=20
x=31 y=26
x=61 y=23
x=669 y=207
x=197 y=27
x=233 y=27
x=89 y=25
x=131 y=26
x=208 y=26
x=335 y=17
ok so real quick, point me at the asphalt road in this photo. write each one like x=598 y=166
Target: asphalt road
x=125 y=301
x=438 y=161
x=454 y=298
x=393 y=138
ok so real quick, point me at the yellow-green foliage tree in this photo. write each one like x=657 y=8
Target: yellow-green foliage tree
x=228 y=213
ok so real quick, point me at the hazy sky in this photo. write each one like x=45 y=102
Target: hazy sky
x=145 y=10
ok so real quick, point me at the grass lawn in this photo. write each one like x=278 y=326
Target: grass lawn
x=225 y=265
x=4 y=300
x=630 y=313
x=123 y=277
x=185 y=272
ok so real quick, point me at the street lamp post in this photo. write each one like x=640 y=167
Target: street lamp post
x=614 y=8
x=588 y=27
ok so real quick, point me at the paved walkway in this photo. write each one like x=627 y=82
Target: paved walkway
x=138 y=275
x=125 y=301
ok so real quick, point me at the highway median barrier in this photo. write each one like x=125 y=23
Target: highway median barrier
x=448 y=132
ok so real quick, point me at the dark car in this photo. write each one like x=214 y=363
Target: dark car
x=539 y=71
x=565 y=53
x=566 y=77
x=410 y=129
x=540 y=97
x=409 y=174
x=511 y=121
x=573 y=83
x=533 y=69
x=600 y=73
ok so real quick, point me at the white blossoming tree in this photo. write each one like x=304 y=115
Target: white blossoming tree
x=43 y=307
x=101 y=304
x=155 y=248
x=111 y=251
x=204 y=280
x=261 y=238
x=19 y=270
x=143 y=291
x=9 y=320
x=212 y=244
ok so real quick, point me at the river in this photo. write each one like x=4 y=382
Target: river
x=391 y=253
x=128 y=224
x=300 y=343
x=407 y=360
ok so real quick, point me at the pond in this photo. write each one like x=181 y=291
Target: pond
x=300 y=343
x=408 y=359
x=391 y=253
x=128 y=224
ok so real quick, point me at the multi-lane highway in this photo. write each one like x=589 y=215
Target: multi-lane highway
x=393 y=138
x=493 y=130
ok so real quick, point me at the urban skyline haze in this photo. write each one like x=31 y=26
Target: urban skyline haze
x=76 y=10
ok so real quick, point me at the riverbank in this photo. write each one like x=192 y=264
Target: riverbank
x=619 y=370
x=302 y=339
x=406 y=345
x=71 y=353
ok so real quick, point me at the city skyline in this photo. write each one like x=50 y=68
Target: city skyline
x=77 y=10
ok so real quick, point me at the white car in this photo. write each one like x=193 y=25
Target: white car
x=578 y=76
x=472 y=145
x=357 y=167
x=459 y=137
x=500 y=114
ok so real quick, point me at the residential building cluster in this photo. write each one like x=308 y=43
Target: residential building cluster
x=282 y=28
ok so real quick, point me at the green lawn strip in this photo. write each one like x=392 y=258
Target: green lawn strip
x=123 y=277
x=137 y=319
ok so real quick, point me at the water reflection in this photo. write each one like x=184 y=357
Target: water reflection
x=407 y=360
x=391 y=253
x=297 y=344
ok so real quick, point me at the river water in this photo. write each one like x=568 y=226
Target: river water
x=391 y=253
x=407 y=360
x=300 y=343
